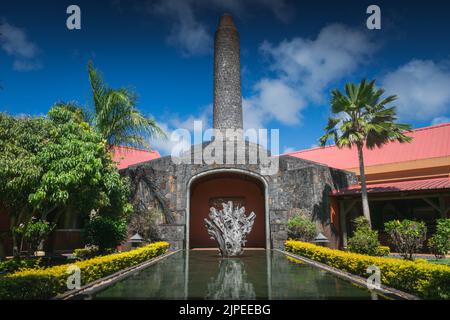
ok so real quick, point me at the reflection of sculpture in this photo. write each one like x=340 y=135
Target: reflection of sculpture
x=229 y=228
x=231 y=282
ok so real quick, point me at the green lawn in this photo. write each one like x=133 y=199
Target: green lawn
x=440 y=261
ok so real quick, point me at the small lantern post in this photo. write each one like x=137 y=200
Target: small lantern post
x=136 y=240
x=321 y=240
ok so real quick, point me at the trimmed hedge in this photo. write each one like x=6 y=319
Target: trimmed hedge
x=423 y=279
x=48 y=282
x=384 y=250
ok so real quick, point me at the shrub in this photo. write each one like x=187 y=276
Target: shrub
x=86 y=253
x=408 y=236
x=35 y=233
x=12 y=265
x=47 y=283
x=439 y=243
x=301 y=228
x=383 y=251
x=105 y=232
x=364 y=240
x=145 y=223
x=423 y=279
x=90 y=252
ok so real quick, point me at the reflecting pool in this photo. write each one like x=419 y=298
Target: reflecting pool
x=258 y=274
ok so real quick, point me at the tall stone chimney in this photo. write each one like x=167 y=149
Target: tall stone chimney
x=227 y=113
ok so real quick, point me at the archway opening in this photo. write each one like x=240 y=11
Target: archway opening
x=215 y=188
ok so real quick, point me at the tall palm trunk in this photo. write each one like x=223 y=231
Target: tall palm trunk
x=362 y=174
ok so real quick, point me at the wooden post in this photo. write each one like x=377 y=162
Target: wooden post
x=342 y=222
x=443 y=209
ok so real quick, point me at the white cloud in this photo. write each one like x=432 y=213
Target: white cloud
x=26 y=65
x=280 y=8
x=439 y=120
x=288 y=150
x=422 y=87
x=193 y=36
x=273 y=100
x=165 y=146
x=313 y=64
x=14 y=42
x=187 y=33
x=303 y=70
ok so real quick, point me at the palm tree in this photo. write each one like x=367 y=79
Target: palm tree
x=361 y=118
x=116 y=117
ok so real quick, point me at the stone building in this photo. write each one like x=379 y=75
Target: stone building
x=183 y=189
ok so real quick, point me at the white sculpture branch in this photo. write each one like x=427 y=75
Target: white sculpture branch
x=230 y=227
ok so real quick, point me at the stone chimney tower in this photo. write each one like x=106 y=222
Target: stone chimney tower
x=227 y=113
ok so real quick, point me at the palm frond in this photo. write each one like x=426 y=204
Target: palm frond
x=116 y=116
x=362 y=116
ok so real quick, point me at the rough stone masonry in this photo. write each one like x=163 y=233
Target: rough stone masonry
x=298 y=186
x=227 y=113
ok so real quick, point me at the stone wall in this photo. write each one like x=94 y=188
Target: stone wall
x=299 y=184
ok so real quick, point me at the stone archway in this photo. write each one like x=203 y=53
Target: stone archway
x=210 y=189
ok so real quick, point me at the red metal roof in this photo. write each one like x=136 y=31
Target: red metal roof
x=412 y=185
x=428 y=142
x=127 y=156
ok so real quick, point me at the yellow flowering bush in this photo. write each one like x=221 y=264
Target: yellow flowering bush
x=45 y=283
x=423 y=279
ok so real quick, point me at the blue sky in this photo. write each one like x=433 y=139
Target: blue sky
x=292 y=54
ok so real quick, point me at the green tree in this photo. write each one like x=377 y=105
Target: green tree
x=408 y=236
x=301 y=228
x=364 y=239
x=105 y=233
x=362 y=118
x=50 y=164
x=36 y=233
x=116 y=117
x=439 y=243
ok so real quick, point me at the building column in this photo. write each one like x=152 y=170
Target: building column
x=443 y=209
x=343 y=223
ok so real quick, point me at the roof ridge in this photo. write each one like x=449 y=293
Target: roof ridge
x=334 y=145
x=135 y=148
x=434 y=126
x=310 y=149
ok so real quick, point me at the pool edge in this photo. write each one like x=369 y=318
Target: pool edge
x=99 y=284
x=360 y=281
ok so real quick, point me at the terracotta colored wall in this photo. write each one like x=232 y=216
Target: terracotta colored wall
x=226 y=186
x=400 y=175
x=4 y=230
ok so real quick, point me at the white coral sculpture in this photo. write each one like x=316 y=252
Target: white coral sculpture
x=230 y=227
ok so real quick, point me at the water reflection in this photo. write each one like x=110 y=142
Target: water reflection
x=231 y=282
x=255 y=275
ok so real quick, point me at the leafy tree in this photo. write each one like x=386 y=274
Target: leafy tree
x=364 y=240
x=439 y=243
x=361 y=118
x=145 y=223
x=105 y=232
x=20 y=173
x=301 y=228
x=116 y=117
x=36 y=232
x=408 y=236
x=50 y=164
